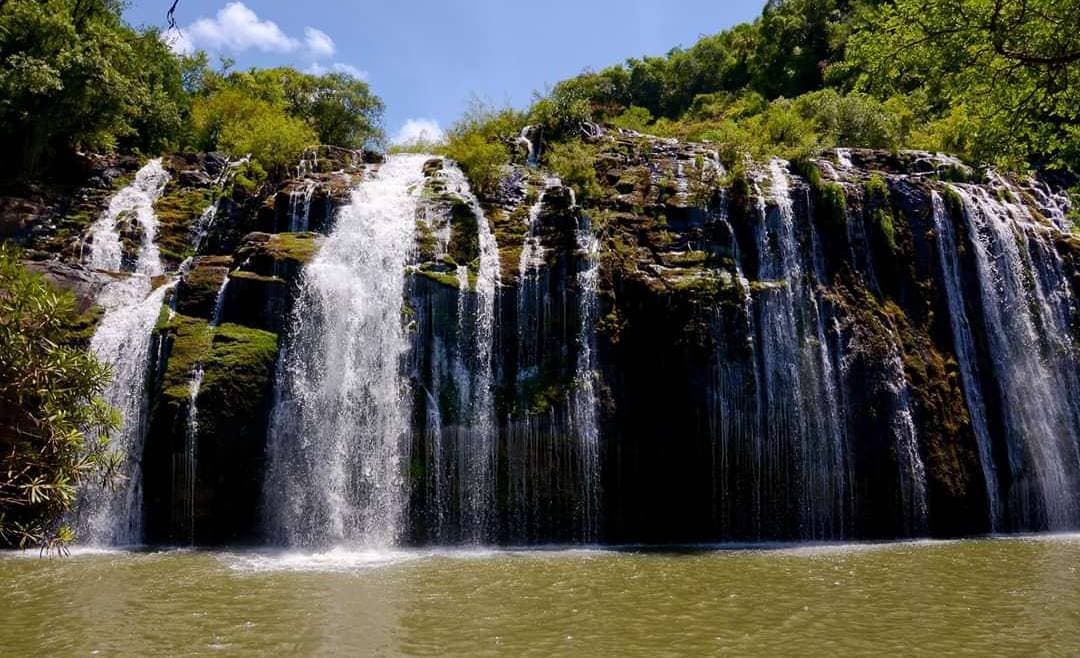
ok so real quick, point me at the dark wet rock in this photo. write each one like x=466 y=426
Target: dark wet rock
x=85 y=284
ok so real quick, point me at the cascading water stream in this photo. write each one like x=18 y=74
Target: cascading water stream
x=584 y=406
x=300 y=207
x=113 y=516
x=136 y=201
x=732 y=400
x=202 y=226
x=479 y=455
x=530 y=336
x=1035 y=373
x=964 y=344
x=800 y=439
x=338 y=438
x=532 y=154
x=913 y=495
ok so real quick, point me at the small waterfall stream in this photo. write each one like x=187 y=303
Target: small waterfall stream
x=965 y=353
x=300 y=207
x=113 y=516
x=584 y=405
x=479 y=449
x=135 y=201
x=337 y=443
x=801 y=437
x=1035 y=378
x=532 y=152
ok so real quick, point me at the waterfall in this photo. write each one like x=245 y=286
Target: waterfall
x=137 y=200
x=300 y=207
x=202 y=226
x=732 y=400
x=800 y=440
x=532 y=455
x=337 y=446
x=1027 y=310
x=113 y=516
x=902 y=425
x=530 y=293
x=583 y=405
x=964 y=344
x=778 y=265
x=843 y=157
x=532 y=157
x=480 y=453
x=829 y=474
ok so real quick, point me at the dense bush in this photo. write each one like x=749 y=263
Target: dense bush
x=480 y=142
x=239 y=123
x=990 y=81
x=49 y=409
x=574 y=163
x=1001 y=75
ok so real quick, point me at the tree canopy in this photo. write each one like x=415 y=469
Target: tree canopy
x=75 y=76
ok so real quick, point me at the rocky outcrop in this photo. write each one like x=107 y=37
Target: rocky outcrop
x=767 y=351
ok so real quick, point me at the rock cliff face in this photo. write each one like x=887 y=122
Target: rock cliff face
x=864 y=345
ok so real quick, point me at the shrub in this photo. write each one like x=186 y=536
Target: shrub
x=574 y=163
x=49 y=407
x=478 y=142
x=633 y=118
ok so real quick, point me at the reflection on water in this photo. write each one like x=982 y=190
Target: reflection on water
x=1018 y=595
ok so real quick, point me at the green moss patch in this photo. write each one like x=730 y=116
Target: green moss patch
x=177 y=210
x=259 y=278
x=277 y=254
x=464 y=246
x=833 y=208
x=198 y=291
x=189 y=342
x=240 y=364
x=299 y=247
x=442 y=277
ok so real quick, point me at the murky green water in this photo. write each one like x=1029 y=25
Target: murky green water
x=984 y=597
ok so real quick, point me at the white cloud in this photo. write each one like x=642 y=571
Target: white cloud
x=319 y=43
x=342 y=67
x=416 y=130
x=337 y=67
x=236 y=28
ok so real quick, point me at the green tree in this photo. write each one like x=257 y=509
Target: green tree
x=340 y=108
x=480 y=142
x=74 y=75
x=1000 y=74
x=49 y=409
x=274 y=114
x=240 y=123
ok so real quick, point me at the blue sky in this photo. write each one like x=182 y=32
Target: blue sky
x=427 y=58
